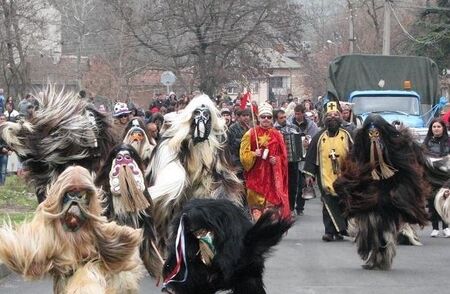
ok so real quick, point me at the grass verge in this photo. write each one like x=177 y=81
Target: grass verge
x=17 y=200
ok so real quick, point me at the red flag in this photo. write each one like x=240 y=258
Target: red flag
x=244 y=99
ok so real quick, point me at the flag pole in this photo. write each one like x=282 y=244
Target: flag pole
x=254 y=123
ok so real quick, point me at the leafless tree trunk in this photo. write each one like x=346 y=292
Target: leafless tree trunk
x=16 y=63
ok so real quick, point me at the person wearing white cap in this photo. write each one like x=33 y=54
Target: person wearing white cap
x=121 y=113
x=226 y=114
x=264 y=159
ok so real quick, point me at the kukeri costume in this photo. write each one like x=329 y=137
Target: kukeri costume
x=127 y=200
x=65 y=130
x=69 y=240
x=215 y=247
x=382 y=185
x=189 y=162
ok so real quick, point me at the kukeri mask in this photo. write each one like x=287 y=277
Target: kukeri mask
x=201 y=124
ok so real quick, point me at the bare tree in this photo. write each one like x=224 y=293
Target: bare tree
x=79 y=21
x=221 y=40
x=21 y=27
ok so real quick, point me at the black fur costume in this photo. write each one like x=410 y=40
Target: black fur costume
x=382 y=185
x=234 y=259
x=136 y=218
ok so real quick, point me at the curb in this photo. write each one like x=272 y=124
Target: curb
x=4 y=271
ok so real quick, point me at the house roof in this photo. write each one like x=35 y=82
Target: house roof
x=278 y=60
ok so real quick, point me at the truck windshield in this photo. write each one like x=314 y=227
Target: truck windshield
x=405 y=104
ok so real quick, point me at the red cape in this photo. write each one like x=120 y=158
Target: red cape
x=265 y=178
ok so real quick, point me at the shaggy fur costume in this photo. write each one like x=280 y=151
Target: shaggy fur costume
x=70 y=240
x=215 y=247
x=64 y=131
x=128 y=202
x=191 y=161
x=442 y=202
x=136 y=135
x=382 y=185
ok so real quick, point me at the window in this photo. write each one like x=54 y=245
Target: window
x=276 y=82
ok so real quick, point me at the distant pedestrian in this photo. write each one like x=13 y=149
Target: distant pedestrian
x=10 y=113
x=2 y=101
x=437 y=144
x=4 y=152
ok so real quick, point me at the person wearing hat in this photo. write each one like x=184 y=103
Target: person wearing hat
x=348 y=119
x=121 y=115
x=226 y=114
x=326 y=153
x=264 y=159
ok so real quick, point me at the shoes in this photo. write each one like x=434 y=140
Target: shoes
x=338 y=237
x=446 y=233
x=327 y=238
x=434 y=233
x=300 y=212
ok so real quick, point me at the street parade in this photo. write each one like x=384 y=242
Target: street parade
x=200 y=147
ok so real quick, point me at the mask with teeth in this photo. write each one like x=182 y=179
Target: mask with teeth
x=73 y=205
x=201 y=124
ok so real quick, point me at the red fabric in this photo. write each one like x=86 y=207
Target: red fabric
x=267 y=179
x=446 y=117
x=255 y=109
x=244 y=99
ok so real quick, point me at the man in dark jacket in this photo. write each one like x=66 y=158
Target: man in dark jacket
x=307 y=129
x=235 y=133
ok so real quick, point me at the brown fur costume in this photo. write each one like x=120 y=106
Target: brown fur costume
x=64 y=131
x=382 y=184
x=70 y=240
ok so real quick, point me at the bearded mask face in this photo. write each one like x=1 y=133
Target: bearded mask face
x=127 y=184
x=124 y=166
x=378 y=155
x=73 y=204
x=201 y=124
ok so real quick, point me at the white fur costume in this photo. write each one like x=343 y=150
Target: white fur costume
x=182 y=169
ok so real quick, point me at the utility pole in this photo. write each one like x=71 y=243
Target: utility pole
x=387 y=28
x=351 y=36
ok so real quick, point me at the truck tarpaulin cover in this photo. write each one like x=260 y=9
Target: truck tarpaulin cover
x=350 y=73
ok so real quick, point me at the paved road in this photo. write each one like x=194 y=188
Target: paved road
x=304 y=264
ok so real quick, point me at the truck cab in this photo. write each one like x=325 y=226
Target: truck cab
x=392 y=105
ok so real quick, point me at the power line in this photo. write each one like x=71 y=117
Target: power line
x=411 y=37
